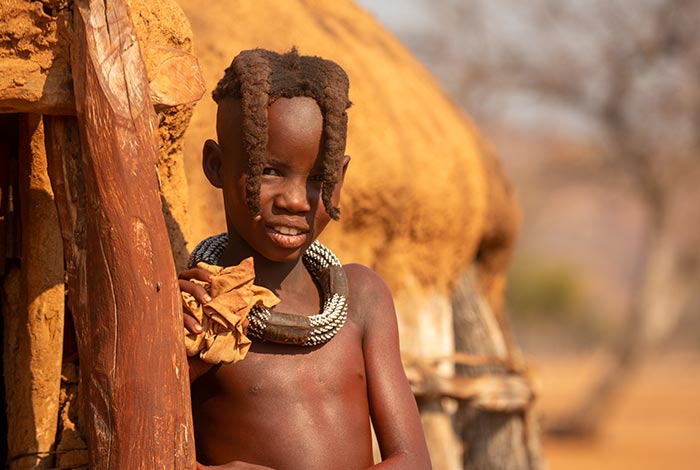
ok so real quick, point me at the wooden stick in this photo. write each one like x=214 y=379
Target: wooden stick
x=127 y=314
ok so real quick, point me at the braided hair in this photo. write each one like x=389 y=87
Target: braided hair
x=258 y=77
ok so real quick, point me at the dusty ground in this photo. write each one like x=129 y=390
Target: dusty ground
x=654 y=424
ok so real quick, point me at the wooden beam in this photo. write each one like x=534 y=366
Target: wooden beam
x=128 y=316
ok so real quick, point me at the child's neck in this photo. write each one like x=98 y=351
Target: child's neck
x=276 y=276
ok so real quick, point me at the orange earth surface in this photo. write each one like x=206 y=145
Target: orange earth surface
x=653 y=424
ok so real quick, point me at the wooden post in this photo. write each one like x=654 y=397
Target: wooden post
x=425 y=325
x=126 y=308
x=495 y=437
x=65 y=171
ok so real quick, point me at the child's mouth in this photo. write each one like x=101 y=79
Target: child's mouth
x=287 y=237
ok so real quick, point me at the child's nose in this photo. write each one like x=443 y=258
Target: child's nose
x=295 y=197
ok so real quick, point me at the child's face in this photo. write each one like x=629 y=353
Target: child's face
x=293 y=215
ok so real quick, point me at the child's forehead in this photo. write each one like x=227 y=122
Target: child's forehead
x=295 y=114
x=294 y=126
x=295 y=119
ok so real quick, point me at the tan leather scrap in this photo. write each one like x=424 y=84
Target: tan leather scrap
x=234 y=294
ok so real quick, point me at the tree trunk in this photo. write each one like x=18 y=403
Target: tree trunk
x=660 y=293
x=129 y=321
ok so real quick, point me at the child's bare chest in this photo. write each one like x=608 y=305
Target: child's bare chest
x=273 y=374
x=294 y=395
x=282 y=371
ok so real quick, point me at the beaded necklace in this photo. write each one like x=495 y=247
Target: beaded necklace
x=287 y=328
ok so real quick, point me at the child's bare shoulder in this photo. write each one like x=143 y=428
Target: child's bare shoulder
x=369 y=297
x=363 y=280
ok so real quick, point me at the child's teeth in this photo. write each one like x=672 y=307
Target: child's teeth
x=287 y=230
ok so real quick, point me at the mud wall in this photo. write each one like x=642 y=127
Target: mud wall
x=35 y=78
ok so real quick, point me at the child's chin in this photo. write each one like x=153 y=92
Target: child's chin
x=284 y=255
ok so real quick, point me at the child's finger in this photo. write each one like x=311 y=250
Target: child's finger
x=191 y=324
x=198 y=292
x=195 y=273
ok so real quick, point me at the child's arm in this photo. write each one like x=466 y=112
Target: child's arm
x=392 y=404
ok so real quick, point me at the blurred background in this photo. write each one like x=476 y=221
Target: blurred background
x=594 y=110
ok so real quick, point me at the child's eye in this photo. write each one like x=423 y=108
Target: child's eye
x=271 y=172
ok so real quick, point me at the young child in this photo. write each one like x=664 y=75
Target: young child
x=326 y=358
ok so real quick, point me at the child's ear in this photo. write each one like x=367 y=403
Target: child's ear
x=212 y=156
x=345 y=163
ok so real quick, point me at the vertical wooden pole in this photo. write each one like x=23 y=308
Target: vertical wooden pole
x=34 y=326
x=425 y=325
x=65 y=171
x=493 y=439
x=127 y=313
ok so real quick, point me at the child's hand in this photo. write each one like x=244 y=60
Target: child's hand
x=197 y=291
x=200 y=294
